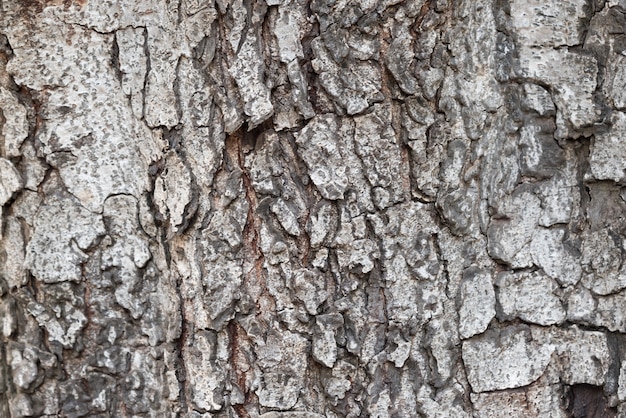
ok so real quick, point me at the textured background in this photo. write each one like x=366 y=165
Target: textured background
x=292 y=209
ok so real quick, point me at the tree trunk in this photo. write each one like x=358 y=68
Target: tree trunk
x=290 y=209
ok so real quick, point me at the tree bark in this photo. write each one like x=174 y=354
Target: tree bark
x=289 y=209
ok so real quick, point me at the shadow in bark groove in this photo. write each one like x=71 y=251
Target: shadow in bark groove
x=587 y=401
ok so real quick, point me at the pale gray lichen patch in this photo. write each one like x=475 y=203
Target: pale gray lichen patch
x=248 y=76
x=15 y=128
x=532 y=297
x=478 y=301
x=173 y=193
x=573 y=78
x=317 y=146
x=71 y=136
x=283 y=361
x=62 y=231
x=127 y=251
x=10 y=181
x=608 y=151
x=505 y=359
x=548 y=24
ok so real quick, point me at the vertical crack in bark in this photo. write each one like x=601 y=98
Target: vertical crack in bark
x=4 y=401
x=115 y=58
x=235 y=335
x=304 y=241
x=181 y=368
x=253 y=271
x=144 y=89
x=254 y=277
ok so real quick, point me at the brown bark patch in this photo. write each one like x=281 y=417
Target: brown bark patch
x=32 y=7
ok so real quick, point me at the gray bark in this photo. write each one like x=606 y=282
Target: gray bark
x=289 y=209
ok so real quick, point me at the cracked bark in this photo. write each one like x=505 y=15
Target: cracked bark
x=288 y=209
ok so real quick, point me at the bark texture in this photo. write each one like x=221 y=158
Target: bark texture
x=289 y=208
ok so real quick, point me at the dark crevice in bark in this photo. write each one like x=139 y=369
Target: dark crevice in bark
x=588 y=401
x=115 y=59
x=146 y=51
x=308 y=188
x=181 y=343
x=190 y=212
x=237 y=146
x=615 y=343
x=236 y=334
x=176 y=88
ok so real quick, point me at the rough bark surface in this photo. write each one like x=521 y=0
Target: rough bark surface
x=290 y=208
